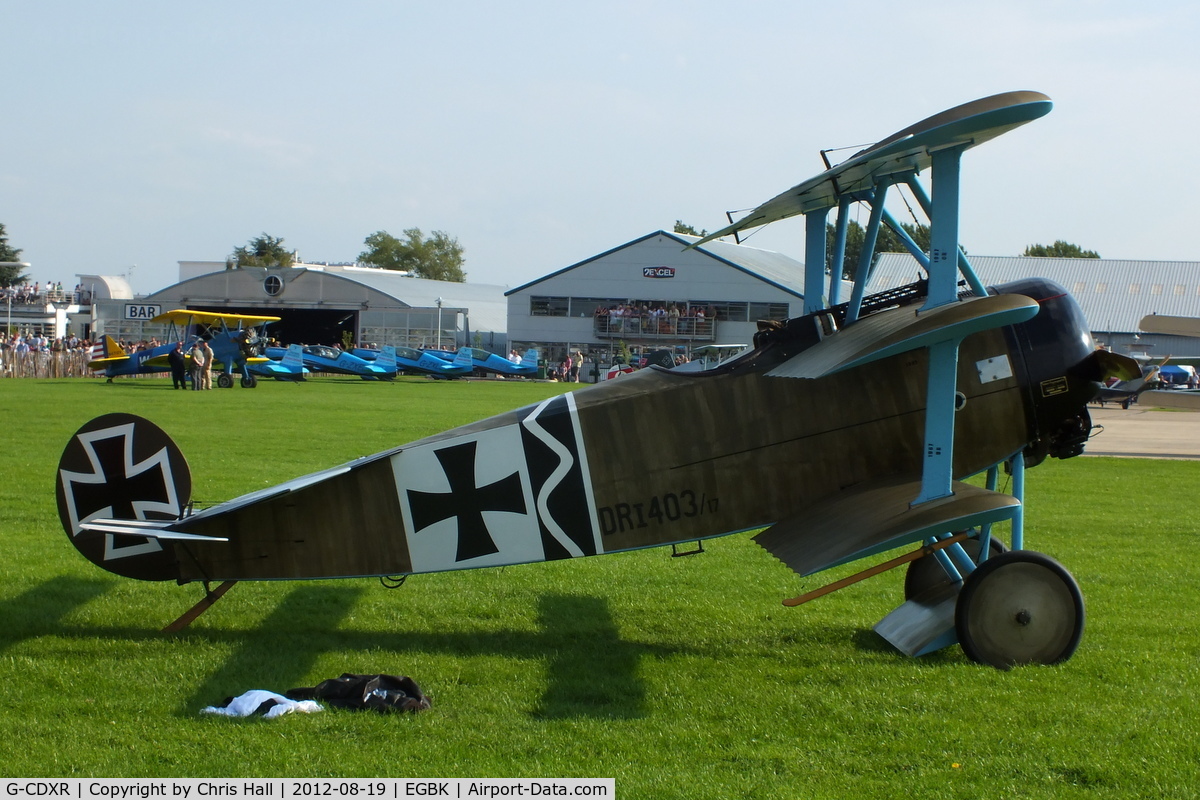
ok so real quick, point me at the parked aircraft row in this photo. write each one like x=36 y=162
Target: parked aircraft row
x=237 y=342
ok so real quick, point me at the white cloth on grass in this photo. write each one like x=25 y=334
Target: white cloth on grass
x=249 y=703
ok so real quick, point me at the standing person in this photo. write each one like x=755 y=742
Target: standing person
x=576 y=366
x=178 y=367
x=199 y=365
x=206 y=375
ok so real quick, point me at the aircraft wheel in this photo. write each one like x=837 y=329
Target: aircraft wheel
x=225 y=381
x=925 y=573
x=249 y=382
x=1019 y=607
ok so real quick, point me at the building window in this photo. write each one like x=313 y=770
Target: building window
x=1101 y=288
x=777 y=311
x=725 y=311
x=587 y=306
x=1135 y=288
x=1156 y=288
x=548 y=306
x=1179 y=289
x=272 y=285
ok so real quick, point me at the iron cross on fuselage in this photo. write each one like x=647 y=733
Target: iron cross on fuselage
x=466 y=501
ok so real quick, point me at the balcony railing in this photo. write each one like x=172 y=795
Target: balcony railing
x=684 y=329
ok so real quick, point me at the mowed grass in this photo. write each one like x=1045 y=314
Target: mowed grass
x=679 y=677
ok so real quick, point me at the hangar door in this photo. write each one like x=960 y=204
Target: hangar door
x=304 y=325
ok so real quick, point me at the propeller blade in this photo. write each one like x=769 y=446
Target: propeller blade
x=1101 y=365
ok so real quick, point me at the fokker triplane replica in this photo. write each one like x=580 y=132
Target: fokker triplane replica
x=846 y=432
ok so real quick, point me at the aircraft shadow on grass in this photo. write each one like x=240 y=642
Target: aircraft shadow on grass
x=594 y=675
x=40 y=610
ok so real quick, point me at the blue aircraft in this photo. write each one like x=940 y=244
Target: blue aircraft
x=414 y=362
x=322 y=358
x=289 y=368
x=490 y=362
x=235 y=339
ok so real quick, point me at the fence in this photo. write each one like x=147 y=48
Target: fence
x=72 y=364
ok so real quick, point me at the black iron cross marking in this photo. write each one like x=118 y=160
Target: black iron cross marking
x=121 y=487
x=466 y=501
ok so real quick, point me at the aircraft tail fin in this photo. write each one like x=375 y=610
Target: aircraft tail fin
x=294 y=357
x=530 y=359
x=463 y=359
x=106 y=349
x=387 y=358
x=122 y=482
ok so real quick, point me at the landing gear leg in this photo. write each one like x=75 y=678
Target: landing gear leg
x=926 y=573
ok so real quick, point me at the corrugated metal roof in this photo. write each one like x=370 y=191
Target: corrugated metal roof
x=486 y=303
x=1114 y=293
x=782 y=271
x=785 y=272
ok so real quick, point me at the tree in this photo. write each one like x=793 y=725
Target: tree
x=438 y=258
x=688 y=230
x=264 y=251
x=1059 y=249
x=10 y=274
x=888 y=242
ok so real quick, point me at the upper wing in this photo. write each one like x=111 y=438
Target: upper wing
x=182 y=316
x=1176 y=326
x=909 y=150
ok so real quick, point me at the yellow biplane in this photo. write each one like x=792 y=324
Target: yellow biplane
x=236 y=340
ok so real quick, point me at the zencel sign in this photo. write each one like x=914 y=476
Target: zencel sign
x=142 y=311
x=658 y=272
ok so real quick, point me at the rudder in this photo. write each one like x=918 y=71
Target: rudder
x=123 y=467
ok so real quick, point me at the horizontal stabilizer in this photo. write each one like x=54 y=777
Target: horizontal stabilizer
x=887 y=334
x=863 y=521
x=145 y=529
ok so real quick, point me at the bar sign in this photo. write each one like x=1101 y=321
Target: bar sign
x=142 y=311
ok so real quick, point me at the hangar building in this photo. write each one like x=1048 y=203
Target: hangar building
x=652 y=293
x=320 y=303
x=1114 y=293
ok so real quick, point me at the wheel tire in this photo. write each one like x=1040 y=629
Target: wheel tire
x=224 y=381
x=249 y=382
x=1020 y=607
x=926 y=573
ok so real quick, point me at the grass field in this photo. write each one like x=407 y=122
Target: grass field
x=679 y=677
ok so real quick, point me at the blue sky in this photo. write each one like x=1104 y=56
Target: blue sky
x=541 y=133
